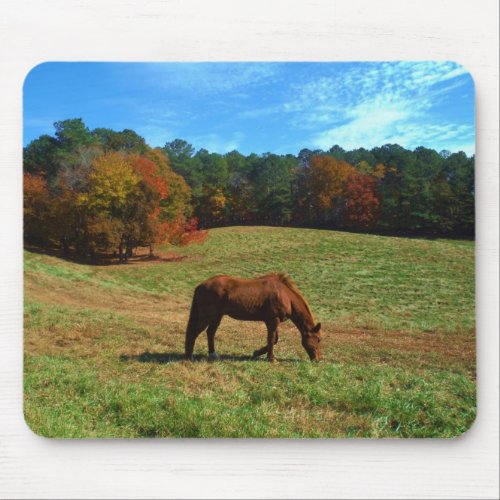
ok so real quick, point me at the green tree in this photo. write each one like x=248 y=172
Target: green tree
x=126 y=141
x=179 y=152
x=72 y=134
x=459 y=172
x=40 y=157
x=273 y=180
x=337 y=152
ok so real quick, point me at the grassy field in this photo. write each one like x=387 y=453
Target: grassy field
x=103 y=344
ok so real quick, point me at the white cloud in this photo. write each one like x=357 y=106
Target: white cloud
x=392 y=103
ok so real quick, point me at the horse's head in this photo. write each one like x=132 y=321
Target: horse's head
x=311 y=340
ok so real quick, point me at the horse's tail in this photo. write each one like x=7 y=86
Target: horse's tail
x=192 y=324
x=193 y=314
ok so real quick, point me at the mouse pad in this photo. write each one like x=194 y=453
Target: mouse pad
x=249 y=250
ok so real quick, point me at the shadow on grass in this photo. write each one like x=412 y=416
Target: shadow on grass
x=175 y=357
x=103 y=259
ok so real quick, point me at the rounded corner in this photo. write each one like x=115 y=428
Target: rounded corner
x=463 y=434
x=466 y=71
x=28 y=425
x=33 y=69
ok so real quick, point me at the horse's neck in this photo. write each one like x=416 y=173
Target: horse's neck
x=301 y=316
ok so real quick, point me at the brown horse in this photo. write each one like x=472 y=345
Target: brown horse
x=272 y=298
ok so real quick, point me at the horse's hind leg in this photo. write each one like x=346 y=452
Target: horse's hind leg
x=263 y=350
x=191 y=337
x=212 y=328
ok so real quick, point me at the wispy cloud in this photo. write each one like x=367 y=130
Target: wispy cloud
x=380 y=104
x=211 y=78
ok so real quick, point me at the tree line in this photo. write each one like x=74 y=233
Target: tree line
x=102 y=191
x=386 y=189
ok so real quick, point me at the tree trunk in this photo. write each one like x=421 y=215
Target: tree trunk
x=64 y=245
x=120 y=252
x=128 y=252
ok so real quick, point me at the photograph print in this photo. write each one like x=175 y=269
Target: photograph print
x=249 y=250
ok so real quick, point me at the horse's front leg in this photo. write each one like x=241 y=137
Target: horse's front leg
x=263 y=350
x=272 y=332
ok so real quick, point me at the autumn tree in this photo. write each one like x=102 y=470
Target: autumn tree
x=36 y=208
x=362 y=200
x=323 y=188
x=111 y=204
x=178 y=226
x=337 y=194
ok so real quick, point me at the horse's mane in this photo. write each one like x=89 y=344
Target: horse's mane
x=290 y=284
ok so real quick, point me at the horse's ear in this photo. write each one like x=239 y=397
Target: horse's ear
x=317 y=328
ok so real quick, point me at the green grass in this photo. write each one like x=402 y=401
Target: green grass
x=103 y=344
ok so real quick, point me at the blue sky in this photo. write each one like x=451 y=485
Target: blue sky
x=260 y=107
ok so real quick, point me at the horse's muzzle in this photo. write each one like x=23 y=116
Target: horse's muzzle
x=314 y=356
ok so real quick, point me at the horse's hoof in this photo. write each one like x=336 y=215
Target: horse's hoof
x=255 y=355
x=213 y=356
x=271 y=360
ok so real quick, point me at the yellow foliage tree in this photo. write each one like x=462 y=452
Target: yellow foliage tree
x=111 y=183
x=325 y=182
x=216 y=204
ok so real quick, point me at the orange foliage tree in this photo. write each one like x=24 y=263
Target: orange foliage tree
x=333 y=192
x=36 y=210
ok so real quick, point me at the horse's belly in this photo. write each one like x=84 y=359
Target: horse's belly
x=254 y=307
x=246 y=310
x=244 y=315
x=254 y=314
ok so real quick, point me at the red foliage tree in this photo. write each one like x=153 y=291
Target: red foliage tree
x=339 y=194
x=362 y=205
x=151 y=175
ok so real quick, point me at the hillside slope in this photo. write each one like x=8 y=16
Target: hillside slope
x=103 y=344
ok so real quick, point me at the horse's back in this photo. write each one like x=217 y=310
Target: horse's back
x=225 y=284
x=248 y=299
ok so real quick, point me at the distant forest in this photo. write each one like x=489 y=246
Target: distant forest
x=101 y=191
